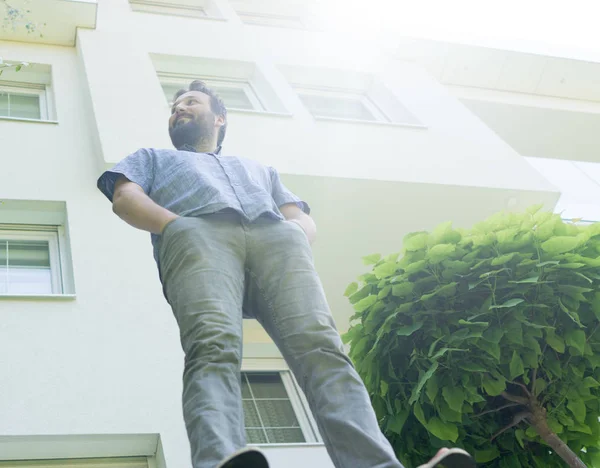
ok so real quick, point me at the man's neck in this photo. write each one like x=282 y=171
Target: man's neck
x=204 y=146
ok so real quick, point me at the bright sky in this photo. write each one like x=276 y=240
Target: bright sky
x=564 y=26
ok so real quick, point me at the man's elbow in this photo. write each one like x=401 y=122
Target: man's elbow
x=119 y=203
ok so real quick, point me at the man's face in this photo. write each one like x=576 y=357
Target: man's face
x=192 y=119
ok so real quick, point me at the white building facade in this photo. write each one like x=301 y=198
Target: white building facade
x=380 y=141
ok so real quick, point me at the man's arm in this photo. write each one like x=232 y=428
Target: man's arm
x=293 y=213
x=132 y=205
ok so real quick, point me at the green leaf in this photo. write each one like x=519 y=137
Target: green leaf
x=576 y=338
x=442 y=430
x=365 y=303
x=502 y=259
x=415 y=241
x=582 y=428
x=473 y=324
x=577 y=407
x=555 y=342
x=532 y=343
x=596 y=305
x=493 y=335
x=572 y=315
x=509 y=303
x=402 y=289
x=383 y=388
x=443 y=351
x=397 y=421
x=520 y=435
x=440 y=252
x=471 y=366
x=385 y=270
x=534 y=209
x=371 y=259
x=571 y=266
x=590 y=382
x=560 y=244
x=454 y=396
x=492 y=386
x=432 y=387
x=416 y=267
x=532 y=279
x=516 y=366
x=408 y=330
x=493 y=349
x=422 y=381
x=418 y=412
x=550 y=262
x=351 y=289
x=485 y=456
x=385 y=292
x=539 y=386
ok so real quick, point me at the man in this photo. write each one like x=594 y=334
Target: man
x=227 y=236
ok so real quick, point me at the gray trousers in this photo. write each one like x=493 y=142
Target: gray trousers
x=208 y=266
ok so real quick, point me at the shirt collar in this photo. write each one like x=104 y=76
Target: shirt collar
x=191 y=149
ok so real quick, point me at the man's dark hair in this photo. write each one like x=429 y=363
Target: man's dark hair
x=216 y=104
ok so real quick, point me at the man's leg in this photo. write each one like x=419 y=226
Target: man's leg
x=202 y=270
x=291 y=306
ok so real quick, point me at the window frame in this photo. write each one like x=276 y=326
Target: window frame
x=28 y=89
x=169 y=9
x=213 y=82
x=54 y=235
x=112 y=462
x=306 y=422
x=256 y=18
x=378 y=115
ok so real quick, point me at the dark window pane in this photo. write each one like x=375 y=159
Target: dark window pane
x=277 y=413
x=283 y=436
x=336 y=107
x=256 y=436
x=267 y=385
x=251 y=418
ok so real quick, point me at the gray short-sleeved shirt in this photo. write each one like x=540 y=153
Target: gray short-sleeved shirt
x=194 y=184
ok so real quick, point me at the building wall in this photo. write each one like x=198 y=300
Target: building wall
x=108 y=360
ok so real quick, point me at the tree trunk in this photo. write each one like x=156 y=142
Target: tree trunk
x=540 y=423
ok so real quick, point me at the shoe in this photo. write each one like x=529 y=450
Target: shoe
x=451 y=458
x=245 y=458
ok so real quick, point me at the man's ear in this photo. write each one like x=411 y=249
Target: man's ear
x=219 y=121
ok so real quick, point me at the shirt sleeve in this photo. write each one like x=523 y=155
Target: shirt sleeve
x=282 y=196
x=137 y=167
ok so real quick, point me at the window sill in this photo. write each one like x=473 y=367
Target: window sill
x=20 y=119
x=259 y=112
x=29 y=297
x=290 y=445
x=182 y=15
x=371 y=122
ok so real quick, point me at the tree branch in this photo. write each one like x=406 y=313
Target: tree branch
x=515 y=399
x=524 y=387
x=516 y=420
x=508 y=405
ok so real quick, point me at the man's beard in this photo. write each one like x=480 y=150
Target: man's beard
x=192 y=132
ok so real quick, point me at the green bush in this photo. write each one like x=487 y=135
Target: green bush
x=485 y=339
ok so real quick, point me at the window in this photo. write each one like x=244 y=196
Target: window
x=288 y=14
x=30 y=260
x=340 y=105
x=242 y=85
x=346 y=95
x=236 y=94
x=273 y=411
x=129 y=462
x=186 y=8
x=23 y=101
